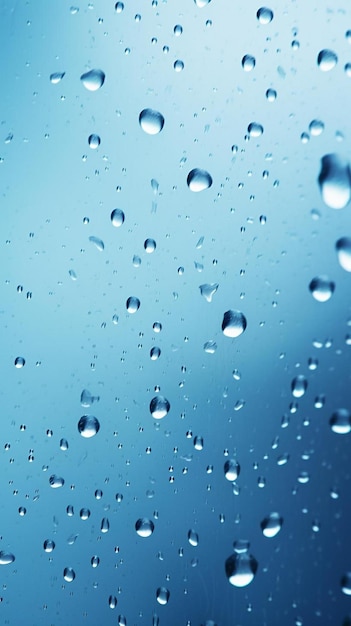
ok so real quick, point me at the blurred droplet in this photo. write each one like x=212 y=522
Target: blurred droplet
x=343 y=250
x=340 y=422
x=335 y=181
x=346 y=584
x=322 y=288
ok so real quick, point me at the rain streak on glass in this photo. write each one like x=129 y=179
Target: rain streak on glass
x=149 y=245
x=322 y=288
x=199 y=180
x=151 y=121
x=340 y=422
x=144 y=527
x=88 y=426
x=335 y=181
x=234 y=323
x=343 y=250
x=271 y=525
x=93 y=80
x=159 y=407
x=117 y=218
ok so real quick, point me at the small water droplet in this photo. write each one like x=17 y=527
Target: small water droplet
x=94 y=141
x=178 y=65
x=335 y=181
x=210 y=347
x=56 y=77
x=326 y=60
x=201 y=3
x=340 y=422
x=271 y=525
x=178 y=29
x=157 y=327
x=95 y=561
x=105 y=525
x=132 y=304
x=193 y=538
x=248 y=62
x=199 y=180
x=69 y=574
x=162 y=595
x=88 y=426
x=117 y=218
x=144 y=527
x=93 y=80
x=343 y=249
x=316 y=127
x=233 y=324
x=322 y=288
x=159 y=407
x=155 y=353
x=119 y=6
x=151 y=121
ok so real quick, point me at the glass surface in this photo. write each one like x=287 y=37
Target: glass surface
x=175 y=313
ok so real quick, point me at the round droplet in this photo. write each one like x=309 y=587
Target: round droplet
x=271 y=525
x=151 y=121
x=19 y=362
x=178 y=65
x=343 y=250
x=322 y=288
x=144 y=527
x=326 y=60
x=254 y=129
x=271 y=95
x=6 y=558
x=94 y=141
x=340 y=422
x=155 y=353
x=49 y=545
x=119 y=6
x=233 y=324
x=117 y=218
x=346 y=584
x=69 y=574
x=199 y=180
x=178 y=29
x=56 y=481
x=162 y=595
x=335 y=181
x=157 y=327
x=248 y=62
x=231 y=469
x=299 y=386
x=93 y=80
x=88 y=426
x=149 y=245
x=241 y=569
x=56 y=77
x=132 y=304
x=316 y=127
x=159 y=407
x=193 y=538
x=264 y=15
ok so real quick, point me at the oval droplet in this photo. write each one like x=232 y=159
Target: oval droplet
x=56 y=77
x=69 y=574
x=49 y=545
x=231 y=469
x=149 y=245
x=343 y=250
x=117 y=218
x=271 y=525
x=248 y=62
x=346 y=585
x=88 y=426
x=340 y=422
x=193 y=538
x=234 y=323
x=159 y=407
x=132 y=304
x=93 y=80
x=326 y=60
x=162 y=595
x=178 y=65
x=19 y=362
x=155 y=353
x=322 y=288
x=241 y=569
x=254 y=129
x=299 y=386
x=144 y=527
x=264 y=15
x=335 y=181
x=151 y=121
x=198 y=180
x=6 y=558
x=316 y=127
x=94 y=141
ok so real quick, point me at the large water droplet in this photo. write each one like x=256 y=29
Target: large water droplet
x=162 y=595
x=299 y=386
x=117 y=218
x=48 y=545
x=316 y=127
x=208 y=291
x=94 y=141
x=248 y=62
x=151 y=121
x=155 y=353
x=132 y=304
x=19 y=362
x=88 y=426
x=234 y=323
x=86 y=398
x=93 y=80
x=69 y=574
x=56 y=481
x=144 y=527
x=199 y=180
x=56 y=77
x=231 y=469
x=149 y=245
x=193 y=538
x=178 y=65
x=254 y=129
x=335 y=181
x=340 y=422
x=241 y=569
x=264 y=15
x=322 y=288
x=343 y=249
x=346 y=584
x=326 y=60
x=6 y=558
x=159 y=407
x=271 y=525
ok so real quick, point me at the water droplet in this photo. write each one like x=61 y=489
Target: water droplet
x=157 y=327
x=144 y=527
x=340 y=422
x=48 y=545
x=162 y=595
x=72 y=274
x=326 y=60
x=56 y=77
x=122 y=621
x=271 y=525
x=159 y=407
x=201 y=3
x=69 y=574
x=117 y=218
x=198 y=443
x=105 y=525
x=198 y=180
x=86 y=398
x=299 y=386
x=234 y=323
x=254 y=129
x=178 y=29
x=347 y=68
x=208 y=290
x=88 y=426
x=151 y=121
x=316 y=127
x=93 y=80
x=56 y=481
x=264 y=15
x=241 y=569
x=335 y=181
x=346 y=584
x=231 y=469
x=178 y=65
x=19 y=362
x=84 y=514
x=322 y=288
x=6 y=558
x=94 y=561
x=193 y=538
x=119 y=6
x=271 y=95
x=343 y=249
x=112 y=602
x=132 y=304
x=248 y=62
x=97 y=242
x=210 y=347
x=72 y=539
x=63 y=444
x=149 y=245
x=136 y=260
x=94 y=141
x=155 y=353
